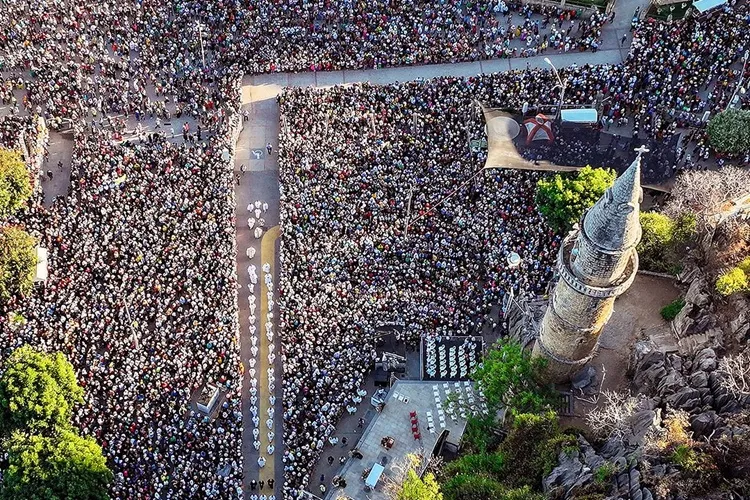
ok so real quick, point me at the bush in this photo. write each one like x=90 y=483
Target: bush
x=603 y=475
x=17 y=262
x=532 y=447
x=729 y=131
x=489 y=464
x=733 y=281
x=471 y=487
x=671 y=310
x=563 y=198
x=15 y=188
x=663 y=240
x=478 y=487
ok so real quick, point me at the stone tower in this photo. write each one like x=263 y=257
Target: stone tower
x=595 y=265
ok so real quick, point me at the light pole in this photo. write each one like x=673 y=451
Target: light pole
x=200 y=36
x=562 y=87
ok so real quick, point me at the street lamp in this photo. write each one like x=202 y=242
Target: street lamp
x=200 y=35
x=562 y=86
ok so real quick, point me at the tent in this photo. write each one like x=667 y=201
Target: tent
x=374 y=476
x=705 y=5
x=538 y=128
x=585 y=115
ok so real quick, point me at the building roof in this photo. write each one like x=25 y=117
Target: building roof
x=613 y=222
x=405 y=396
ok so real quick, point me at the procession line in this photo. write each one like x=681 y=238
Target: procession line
x=267 y=254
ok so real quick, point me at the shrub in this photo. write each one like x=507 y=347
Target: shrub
x=733 y=281
x=471 y=487
x=684 y=456
x=478 y=487
x=663 y=240
x=532 y=447
x=604 y=474
x=671 y=310
x=489 y=464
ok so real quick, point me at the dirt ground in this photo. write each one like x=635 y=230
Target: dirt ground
x=636 y=315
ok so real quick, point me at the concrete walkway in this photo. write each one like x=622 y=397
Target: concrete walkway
x=259 y=183
x=408 y=73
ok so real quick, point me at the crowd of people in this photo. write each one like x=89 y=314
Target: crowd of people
x=142 y=295
x=361 y=164
x=142 y=300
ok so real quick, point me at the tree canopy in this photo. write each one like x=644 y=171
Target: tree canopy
x=37 y=392
x=415 y=488
x=729 y=131
x=17 y=262
x=62 y=466
x=563 y=198
x=512 y=377
x=15 y=186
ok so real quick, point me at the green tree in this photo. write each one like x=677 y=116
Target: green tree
x=512 y=377
x=17 y=262
x=563 y=198
x=37 y=392
x=729 y=131
x=415 y=488
x=61 y=466
x=15 y=187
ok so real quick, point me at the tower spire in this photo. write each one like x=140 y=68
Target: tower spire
x=613 y=221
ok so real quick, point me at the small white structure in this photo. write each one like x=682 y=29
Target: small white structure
x=207 y=399
x=40 y=276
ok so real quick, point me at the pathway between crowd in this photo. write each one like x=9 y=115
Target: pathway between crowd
x=259 y=183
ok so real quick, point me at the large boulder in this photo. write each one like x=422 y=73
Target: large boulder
x=705 y=360
x=704 y=423
x=699 y=379
x=670 y=384
x=567 y=478
x=686 y=399
x=584 y=377
x=697 y=293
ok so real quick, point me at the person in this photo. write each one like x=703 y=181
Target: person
x=261 y=462
x=269 y=148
